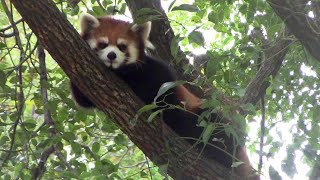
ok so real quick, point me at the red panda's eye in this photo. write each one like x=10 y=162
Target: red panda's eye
x=102 y=45
x=122 y=47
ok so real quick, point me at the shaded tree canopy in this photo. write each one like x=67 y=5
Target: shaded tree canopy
x=258 y=67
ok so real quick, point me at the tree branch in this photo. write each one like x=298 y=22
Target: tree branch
x=300 y=24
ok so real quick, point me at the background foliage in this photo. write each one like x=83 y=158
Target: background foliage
x=225 y=39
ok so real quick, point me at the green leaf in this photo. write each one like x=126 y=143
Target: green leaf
x=120 y=139
x=69 y=175
x=146 y=108
x=211 y=68
x=288 y=166
x=17 y=169
x=144 y=174
x=146 y=11
x=248 y=107
x=167 y=86
x=69 y=136
x=147 y=14
x=74 y=11
x=30 y=124
x=96 y=147
x=123 y=8
x=4 y=139
x=99 y=11
x=186 y=7
x=196 y=37
x=174 y=46
x=240 y=92
x=2 y=45
x=208 y=132
x=106 y=3
x=316 y=114
x=153 y=115
x=171 y=5
x=214 y=18
x=76 y=148
x=274 y=174
x=236 y=164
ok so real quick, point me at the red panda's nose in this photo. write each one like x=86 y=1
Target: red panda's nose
x=112 y=56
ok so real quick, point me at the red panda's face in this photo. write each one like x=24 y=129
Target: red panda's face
x=116 y=42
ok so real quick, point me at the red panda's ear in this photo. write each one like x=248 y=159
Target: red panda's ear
x=88 y=22
x=144 y=31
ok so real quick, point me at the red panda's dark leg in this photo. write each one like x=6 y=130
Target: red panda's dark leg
x=184 y=95
x=80 y=98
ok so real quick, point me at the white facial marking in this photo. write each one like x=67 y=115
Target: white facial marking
x=104 y=39
x=133 y=53
x=122 y=41
x=92 y=43
x=117 y=62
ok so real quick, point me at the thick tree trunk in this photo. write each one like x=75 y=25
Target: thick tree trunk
x=110 y=94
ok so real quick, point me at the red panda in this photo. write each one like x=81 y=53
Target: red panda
x=121 y=47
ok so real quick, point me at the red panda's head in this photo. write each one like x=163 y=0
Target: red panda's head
x=116 y=42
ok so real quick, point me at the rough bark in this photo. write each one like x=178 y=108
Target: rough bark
x=110 y=94
x=305 y=28
x=273 y=55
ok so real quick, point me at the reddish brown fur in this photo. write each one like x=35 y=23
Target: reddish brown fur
x=114 y=29
x=192 y=102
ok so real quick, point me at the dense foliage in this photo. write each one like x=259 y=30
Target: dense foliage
x=226 y=41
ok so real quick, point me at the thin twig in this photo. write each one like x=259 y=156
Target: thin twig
x=263 y=131
x=38 y=172
x=9 y=27
x=7 y=35
x=148 y=165
x=20 y=80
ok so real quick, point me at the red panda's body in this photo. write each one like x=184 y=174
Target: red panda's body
x=121 y=46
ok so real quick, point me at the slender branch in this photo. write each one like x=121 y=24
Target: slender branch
x=63 y=159
x=38 y=172
x=9 y=27
x=19 y=75
x=93 y=155
x=263 y=131
x=43 y=79
x=7 y=35
x=149 y=168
